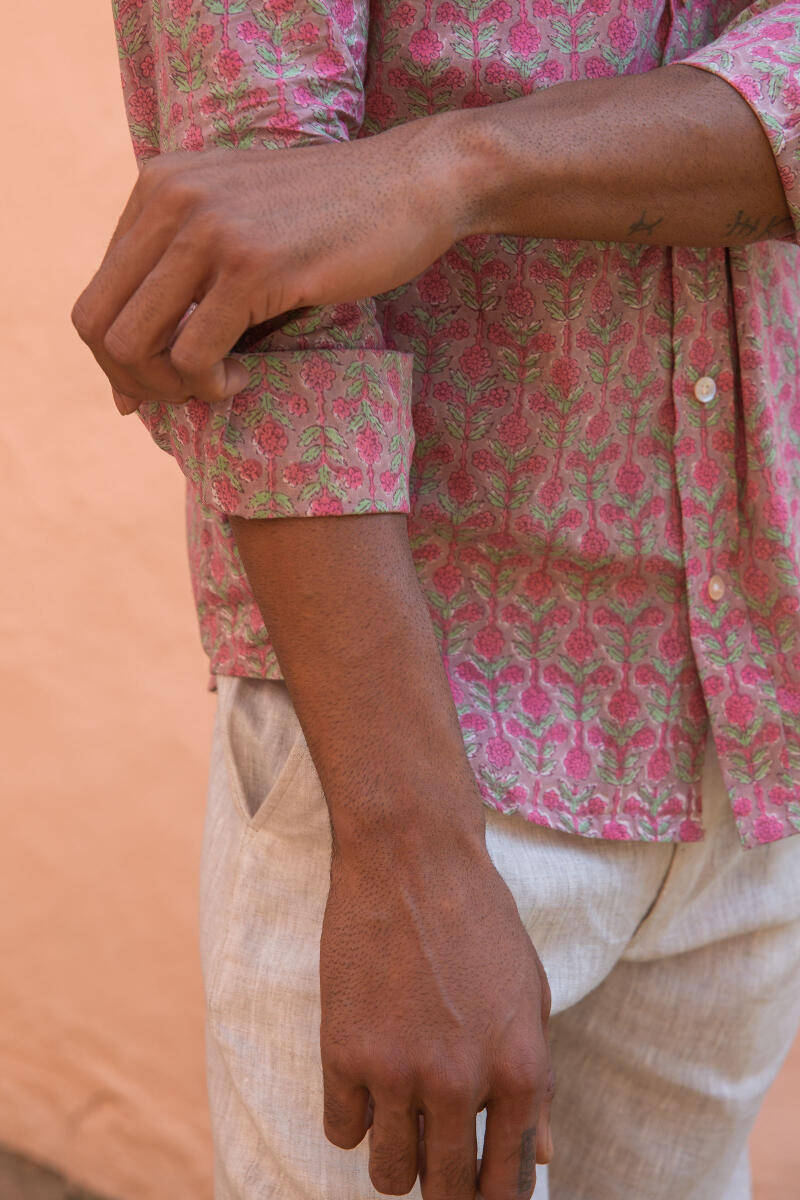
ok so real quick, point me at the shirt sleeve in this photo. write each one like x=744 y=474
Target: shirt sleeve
x=757 y=52
x=324 y=426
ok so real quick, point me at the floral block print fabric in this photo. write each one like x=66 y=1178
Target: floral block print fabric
x=597 y=444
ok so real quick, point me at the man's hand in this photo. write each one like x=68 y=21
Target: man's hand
x=434 y=1001
x=433 y=998
x=246 y=235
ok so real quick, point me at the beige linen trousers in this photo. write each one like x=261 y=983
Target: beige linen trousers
x=675 y=974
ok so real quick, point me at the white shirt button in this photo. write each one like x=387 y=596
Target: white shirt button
x=716 y=587
x=705 y=389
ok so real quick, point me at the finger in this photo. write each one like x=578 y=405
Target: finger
x=393 y=1141
x=212 y=329
x=508 y=1166
x=201 y=348
x=126 y=264
x=162 y=381
x=451 y=1153
x=125 y=404
x=346 y=1111
x=150 y=317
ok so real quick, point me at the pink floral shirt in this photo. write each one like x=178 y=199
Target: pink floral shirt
x=597 y=444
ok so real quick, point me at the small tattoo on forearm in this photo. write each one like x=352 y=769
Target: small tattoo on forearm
x=741 y=224
x=527 y=1162
x=643 y=226
x=774 y=224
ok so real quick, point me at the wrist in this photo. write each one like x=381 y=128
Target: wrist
x=450 y=156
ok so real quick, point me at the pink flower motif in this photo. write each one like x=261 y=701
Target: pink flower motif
x=368 y=445
x=513 y=431
x=499 y=752
x=566 y=373
x=197 y=412
x=496 y=72
x=524 y=39
x=489 y=643
x=520 y=302
x=690 y=831
x=425 y=47
x=249 y=32
x=602 y=296
x=658 y=765
x=630 y=480
x=205 y=34
x=740 y=710
x=329 y=64
x=701 y=353
x=577 y=763
x=344 y=13
x=229 y=65
x=294 y=474
x=615 y=832
x=270 y=437
x=598 y=68
x=598 y=427
x=622 y=34
x=433 y=287
x=405 y=14
x=326 y=505
x=250 y=469
x=475 y=362
x=623 y=705
x=143 y=105
x=594 y=544
x=318 y=374
x=538 y=586
x=781 y=795
x=147 y=67
x=706 y=474
x=768 y=828
x=448 y=580
x=461 y=486
x=193 y=138
x=535 y=703
x=580 y=646
x=630 y=589
x=180 y=9
x=511 y=674
x=673 y=646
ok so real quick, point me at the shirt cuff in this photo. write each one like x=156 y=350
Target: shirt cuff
x=316 y=433
x=757 y=54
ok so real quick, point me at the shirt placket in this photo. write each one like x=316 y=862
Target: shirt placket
x=705 y=380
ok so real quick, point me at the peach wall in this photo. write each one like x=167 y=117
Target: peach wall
x=106 y=720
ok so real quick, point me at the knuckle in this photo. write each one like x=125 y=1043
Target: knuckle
x=521 y=1082
x=185 y=361
x=120 y=348
x=84 y=324
x=450 y=1087
x=390 y=1078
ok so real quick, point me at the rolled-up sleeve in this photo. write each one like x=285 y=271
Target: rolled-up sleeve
x=324 y=426
x=758 y=52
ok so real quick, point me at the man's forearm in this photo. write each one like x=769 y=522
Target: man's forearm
x=671 y=157
x=353 y=636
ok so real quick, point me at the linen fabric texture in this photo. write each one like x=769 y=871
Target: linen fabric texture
x=673 y=971
x=610 y=562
